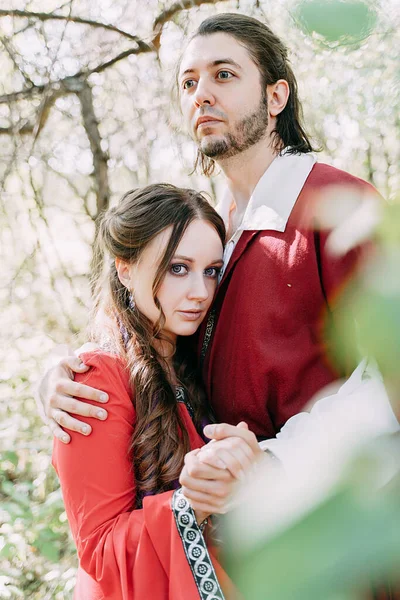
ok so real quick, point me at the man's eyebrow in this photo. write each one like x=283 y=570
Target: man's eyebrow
x=215 y=63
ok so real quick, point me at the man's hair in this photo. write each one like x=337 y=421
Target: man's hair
x=271 y=57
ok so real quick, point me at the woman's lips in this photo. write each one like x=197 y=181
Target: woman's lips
x=190 y=315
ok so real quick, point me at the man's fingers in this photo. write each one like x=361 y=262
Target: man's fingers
x=76 y=407
x=67 y=422
x=220 y=431
x=73 y=363
x=58 y=432
x=67 y=387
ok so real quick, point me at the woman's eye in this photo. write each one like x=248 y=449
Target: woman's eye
x=189 y=83
x=179 y=269
x=212 y=272
x=224 y=75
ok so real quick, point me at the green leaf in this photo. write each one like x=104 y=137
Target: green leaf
x=8 y=488
x=336 y=20
x=7 y=551
x=49 y=550
x=11 y=457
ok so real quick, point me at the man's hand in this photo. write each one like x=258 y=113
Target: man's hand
x=211 y=474
x=233 y=448
x=58 y=393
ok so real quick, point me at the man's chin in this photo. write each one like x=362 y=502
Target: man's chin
x=214 y=148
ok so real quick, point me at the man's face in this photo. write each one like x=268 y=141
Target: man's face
x=222 y=101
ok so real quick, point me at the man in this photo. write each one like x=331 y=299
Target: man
x=261 y=349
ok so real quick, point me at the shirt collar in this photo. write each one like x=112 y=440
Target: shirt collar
x=274 y=196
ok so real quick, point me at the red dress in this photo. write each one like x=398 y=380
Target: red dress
x=124 y=554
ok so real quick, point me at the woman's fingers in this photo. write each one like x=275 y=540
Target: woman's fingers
x=195 y=469
x=234 y=453
x=235 y=461
x=202 y=501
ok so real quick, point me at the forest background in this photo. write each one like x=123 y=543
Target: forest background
x=85 y=115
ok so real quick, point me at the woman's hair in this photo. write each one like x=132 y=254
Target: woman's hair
x=271 y=57
x=160 y=440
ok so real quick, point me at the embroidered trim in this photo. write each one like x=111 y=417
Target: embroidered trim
x=195 y=549
x=180 y=395
x=207 y=334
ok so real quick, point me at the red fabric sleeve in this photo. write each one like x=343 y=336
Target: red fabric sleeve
x=113 y=541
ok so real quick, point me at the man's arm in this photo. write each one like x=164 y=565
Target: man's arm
x=57 y=398
x=337 y=424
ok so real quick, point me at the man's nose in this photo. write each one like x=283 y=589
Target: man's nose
x=203 y=94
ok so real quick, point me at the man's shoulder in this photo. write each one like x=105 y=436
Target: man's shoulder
x=323 y=175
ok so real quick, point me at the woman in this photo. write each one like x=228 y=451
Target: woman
x=136 y=535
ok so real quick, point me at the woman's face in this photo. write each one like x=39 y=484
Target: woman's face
x=187 y=290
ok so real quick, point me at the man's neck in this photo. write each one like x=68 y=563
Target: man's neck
x=244 y=171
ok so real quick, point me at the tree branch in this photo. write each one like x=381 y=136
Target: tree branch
x=169 y=13
x=142 y=47
x=12 y=54
x=54 y=17
x=100 y=157
x=23 y=128
x=65 y=83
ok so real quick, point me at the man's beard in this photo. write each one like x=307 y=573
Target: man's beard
x=248 y=131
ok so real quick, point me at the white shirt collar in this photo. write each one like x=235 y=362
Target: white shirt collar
x=274 y=196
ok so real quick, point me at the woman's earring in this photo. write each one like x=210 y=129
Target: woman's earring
x=132 y=303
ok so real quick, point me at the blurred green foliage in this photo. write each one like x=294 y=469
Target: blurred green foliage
x=338 y=549
x=341 y=21
x=36 y=551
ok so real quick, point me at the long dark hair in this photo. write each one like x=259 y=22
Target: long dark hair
x=159 y=441
x=271 y=57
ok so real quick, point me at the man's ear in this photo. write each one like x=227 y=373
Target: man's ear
x=124 y=272
x=278 y=96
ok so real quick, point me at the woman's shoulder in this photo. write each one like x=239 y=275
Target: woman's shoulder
x=106 y=369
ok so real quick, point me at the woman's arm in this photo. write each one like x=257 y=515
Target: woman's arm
x=132 y=554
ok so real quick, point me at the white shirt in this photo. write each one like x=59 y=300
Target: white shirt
x=272 y=200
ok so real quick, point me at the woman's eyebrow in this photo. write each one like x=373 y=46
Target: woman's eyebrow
x=184 y=258
x=217 y=261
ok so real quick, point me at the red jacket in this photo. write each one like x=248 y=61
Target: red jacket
x=124 y=554
x=267 y=356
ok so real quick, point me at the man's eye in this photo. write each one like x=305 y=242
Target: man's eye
x=224 y=75
x=178 y=269
x=189 y=83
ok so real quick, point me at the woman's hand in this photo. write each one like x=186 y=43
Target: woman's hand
x=211 y=474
